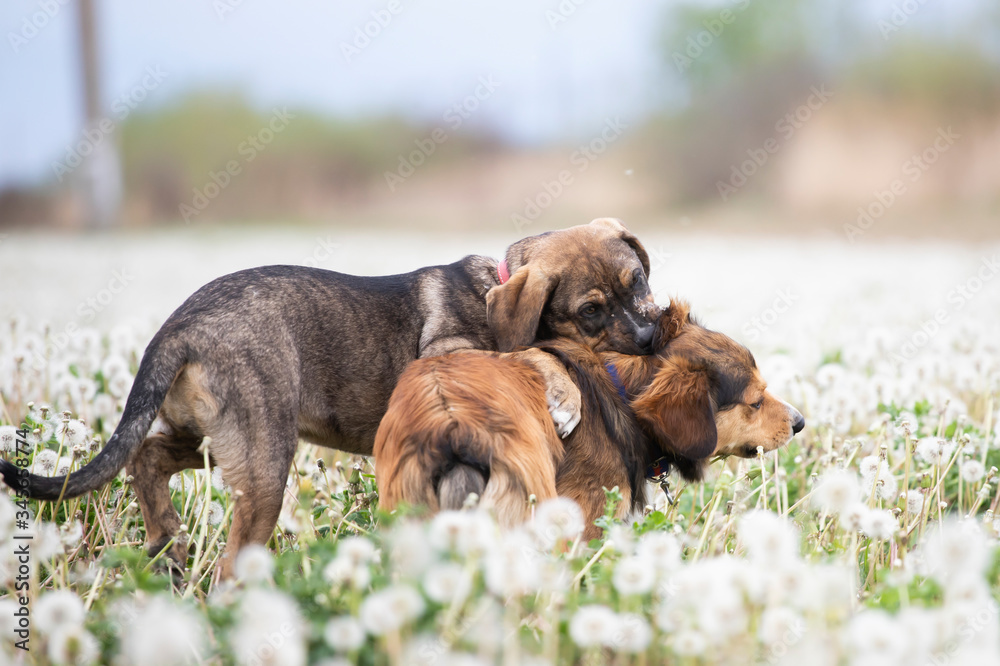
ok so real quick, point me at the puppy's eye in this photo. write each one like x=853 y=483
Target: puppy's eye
x=588 y=310
x=757 y=404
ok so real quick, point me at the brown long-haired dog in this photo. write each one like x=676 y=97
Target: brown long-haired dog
x=460 y=425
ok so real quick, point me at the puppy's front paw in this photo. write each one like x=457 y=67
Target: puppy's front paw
x=564 y=406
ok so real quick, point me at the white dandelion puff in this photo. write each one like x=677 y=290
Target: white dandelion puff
x=558 y=519
x=633 y=576
x=972 y=471
x=254 y=564
x=447 y=583
x=57 y=610
x=592 y=625
x=632 y=634
x=8 y=439
x=879 y=524
x=344 y=634
x=389 y=609
x=163 y=634
x=357 y=549
x=836 y=492
x=72 y=646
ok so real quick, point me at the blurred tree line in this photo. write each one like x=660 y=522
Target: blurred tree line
x=739 y=66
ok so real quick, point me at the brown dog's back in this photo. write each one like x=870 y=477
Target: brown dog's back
x=467 y=423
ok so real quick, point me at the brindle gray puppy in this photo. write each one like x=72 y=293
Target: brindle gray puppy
x=260 y=358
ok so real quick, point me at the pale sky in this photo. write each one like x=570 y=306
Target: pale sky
x=557 y=80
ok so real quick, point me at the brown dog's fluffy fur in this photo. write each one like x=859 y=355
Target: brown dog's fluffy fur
x=479 y=424
x=452 y=440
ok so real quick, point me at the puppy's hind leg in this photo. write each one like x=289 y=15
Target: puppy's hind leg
x=262 y=480
x=159 y=458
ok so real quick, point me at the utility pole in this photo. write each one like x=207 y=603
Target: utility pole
x=101 y=172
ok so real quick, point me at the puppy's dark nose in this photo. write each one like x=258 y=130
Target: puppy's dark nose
x=798 y=425
x=644 y=336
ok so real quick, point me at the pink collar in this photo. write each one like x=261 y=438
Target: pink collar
x=502 y=273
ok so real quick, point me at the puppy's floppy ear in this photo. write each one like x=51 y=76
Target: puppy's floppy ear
x=627 y=236
x=676 y=409
x=672 y=320
x=514 y=308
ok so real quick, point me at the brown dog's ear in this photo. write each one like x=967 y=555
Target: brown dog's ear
x=514 y=308
x=628 y=237
x=676 y=408
x=672 y=320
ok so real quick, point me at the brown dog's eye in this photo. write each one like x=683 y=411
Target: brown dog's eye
x=757 y=404
x=588 y=310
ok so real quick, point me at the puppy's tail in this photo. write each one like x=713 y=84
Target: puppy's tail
x=458 y=483
x=160 y=365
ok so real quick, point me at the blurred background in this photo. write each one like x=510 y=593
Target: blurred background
x=793 y=166
x=785 y=115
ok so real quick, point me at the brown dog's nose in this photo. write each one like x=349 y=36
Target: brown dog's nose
x=799 y=424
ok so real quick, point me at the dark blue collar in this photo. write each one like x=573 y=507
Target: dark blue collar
x=616 y=380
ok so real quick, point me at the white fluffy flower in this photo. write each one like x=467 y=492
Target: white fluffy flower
x=163 y=634
x=634 y=575
x=57 y=610
x=661 y=549
x=876 y=477
x=389 y=609
x=558 y=519
x=254 y=564
x=72 y=432
x=513 y=568
x=72 y=646
x=934 y=450
x=688 y=643
x=836 y=492
x=463 y=532
x=955 y=548
x=873 y=638
x=770 y=540
x=447 y=583
x=592 y=626
x=45 y=462
x=357 y=549
x=410 y=551
x=8 y=439
x=342 y=570
x=344 y=634
x=914 y=501
x=879 y=524
x=778 y=623
x=632 y=634
x=972 y=471
x=269 y=630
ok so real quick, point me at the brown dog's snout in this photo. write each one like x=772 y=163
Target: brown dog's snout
x=798 y=422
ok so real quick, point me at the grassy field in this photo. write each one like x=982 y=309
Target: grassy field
x=870 y=539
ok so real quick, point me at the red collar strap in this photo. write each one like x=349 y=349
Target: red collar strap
x=502 y=273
